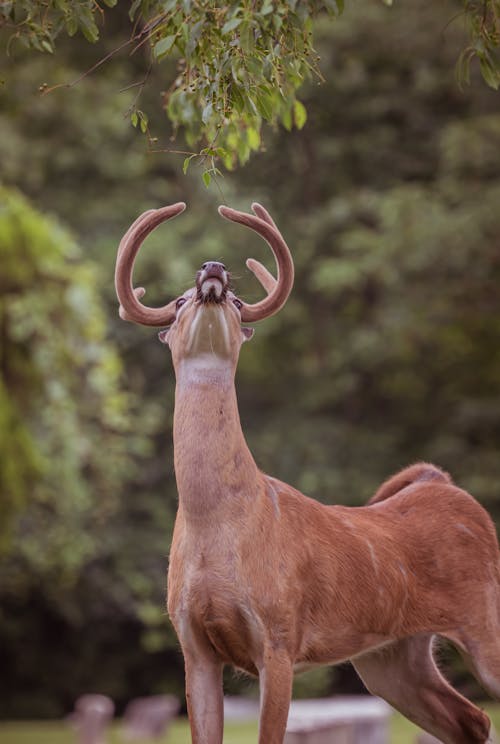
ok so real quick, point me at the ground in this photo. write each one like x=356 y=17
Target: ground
x=45 y=732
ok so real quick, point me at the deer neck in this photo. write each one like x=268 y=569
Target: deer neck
x=213 y=466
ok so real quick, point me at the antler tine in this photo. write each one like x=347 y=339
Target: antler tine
x=261 y=212
x=278 y=290
x=261 y=273
x=130 y=307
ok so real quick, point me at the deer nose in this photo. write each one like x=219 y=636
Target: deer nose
x=213 y=268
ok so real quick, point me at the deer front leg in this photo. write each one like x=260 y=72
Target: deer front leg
x=204 y=697
x=275 y=678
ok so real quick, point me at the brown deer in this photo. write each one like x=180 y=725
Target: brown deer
x=271 y=581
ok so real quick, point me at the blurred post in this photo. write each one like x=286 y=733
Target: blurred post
x=239 y=708
x=150 y=717
x=91 y=717
x=342 y=720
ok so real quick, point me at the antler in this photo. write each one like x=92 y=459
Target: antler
x=130 y=307
x=277 y=289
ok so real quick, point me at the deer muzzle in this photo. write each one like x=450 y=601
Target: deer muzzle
x=212 y=281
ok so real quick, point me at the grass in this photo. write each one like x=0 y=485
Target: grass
x=49 y=732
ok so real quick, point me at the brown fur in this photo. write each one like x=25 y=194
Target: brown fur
x=421 y=472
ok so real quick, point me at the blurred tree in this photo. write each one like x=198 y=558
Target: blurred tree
x=239 y=63
x=65 y=413
x=67 y=445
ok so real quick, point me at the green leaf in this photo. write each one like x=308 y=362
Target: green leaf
x=229 y=160
x=110 y=3
x=243 y=151
x=162 y=47
x=286 y=118
x=277 y=22
x=71 y=26
x=90 y=32
x=222 y=152
x=48 y=46
x=264 y=104
x=250 y=106
x=491 y=76
x=231 y=25
x=168 y=6
x=87 y=23
x=299 y=114
x=234 y=72
x=253 y=138
x=134 y=118
x=134 y=8
x=462 y=70
x=237 y=99
x=207 y=113
x=144 y=121
x=186 y=163
x=194 y=35
x=246 y=38
x=207 y=178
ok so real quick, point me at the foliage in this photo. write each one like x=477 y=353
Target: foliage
x=67 y=443
x=483 y=21
x=239 y=64
x=38 y=24
x=57 y=427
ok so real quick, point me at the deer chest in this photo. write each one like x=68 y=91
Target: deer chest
x=209 y=606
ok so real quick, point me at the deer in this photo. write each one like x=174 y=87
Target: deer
x=270 y=581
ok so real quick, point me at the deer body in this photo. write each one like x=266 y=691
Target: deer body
x=357 y=578
x=267 y=580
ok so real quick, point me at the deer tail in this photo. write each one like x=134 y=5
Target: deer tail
x=421 y=472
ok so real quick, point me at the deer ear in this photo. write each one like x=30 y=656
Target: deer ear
x=163 y=336
x=247 y=333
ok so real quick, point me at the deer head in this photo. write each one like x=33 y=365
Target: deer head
x=205 y=321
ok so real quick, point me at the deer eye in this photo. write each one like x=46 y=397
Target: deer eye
x=180 y=302
x=238 y=303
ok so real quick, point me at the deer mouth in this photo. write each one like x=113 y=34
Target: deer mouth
x=212 y=283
